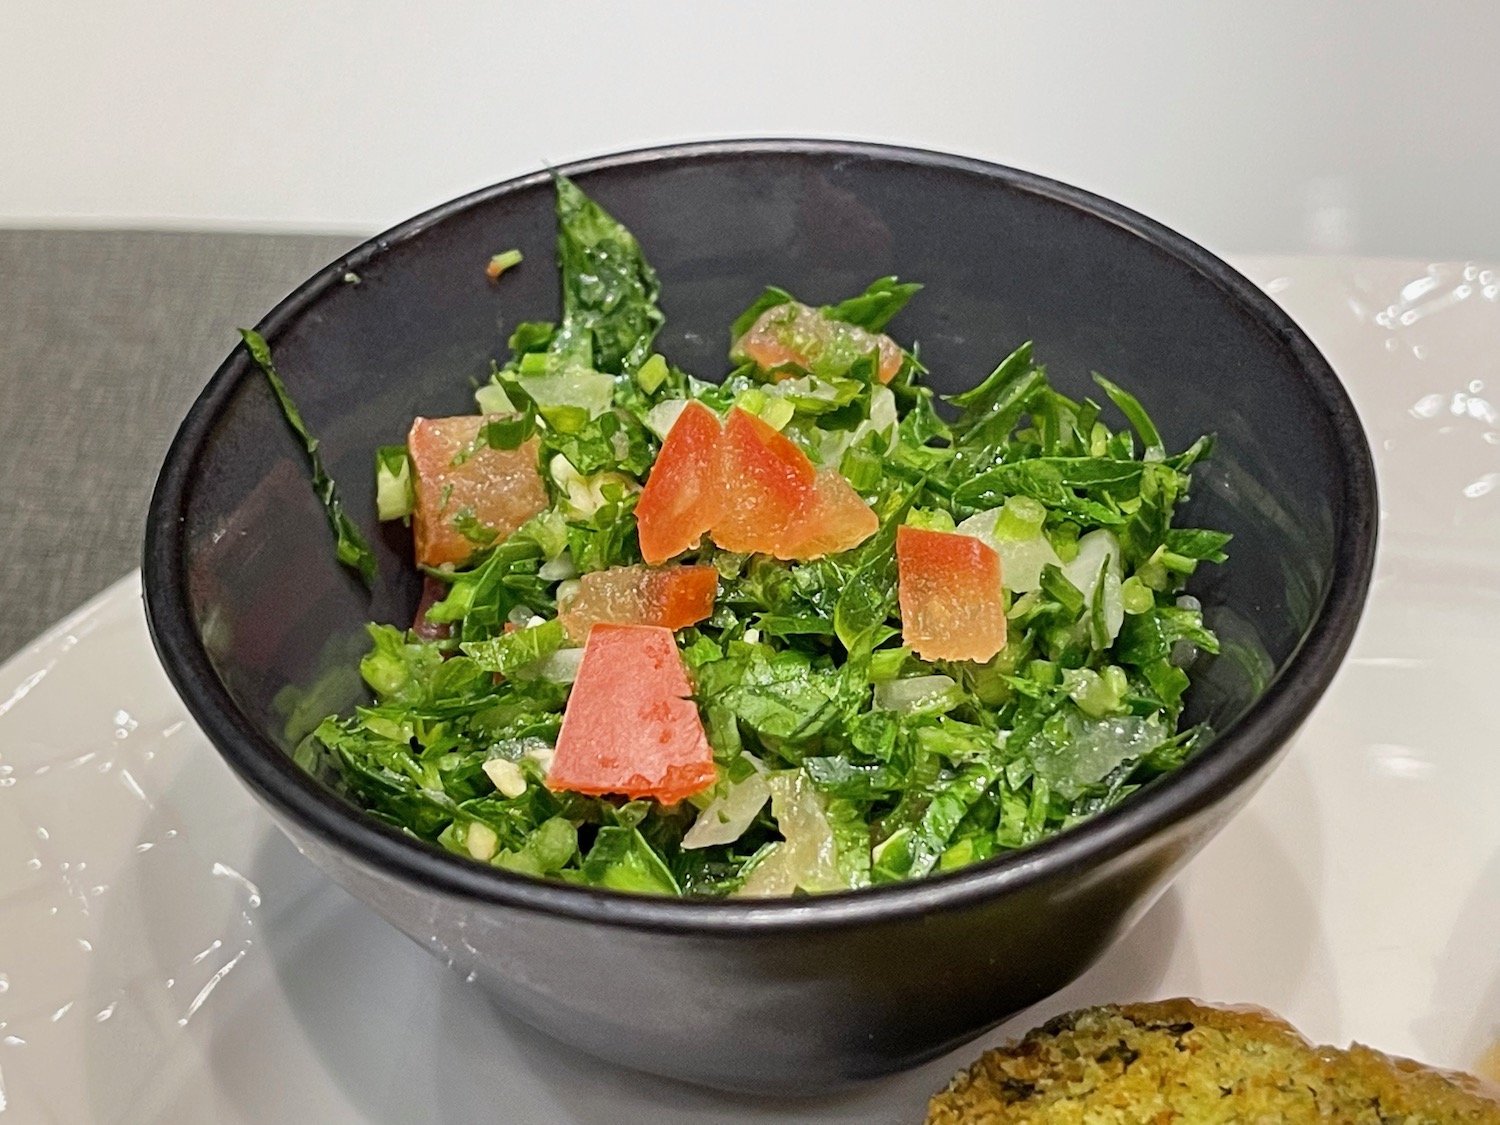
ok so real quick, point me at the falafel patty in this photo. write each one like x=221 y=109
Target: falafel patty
x=1178 y=1062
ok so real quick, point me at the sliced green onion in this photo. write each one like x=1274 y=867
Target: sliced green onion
x=1135 y=596
x=1020 y=518
x=652 y=374
x=395 y=495
x=502 y=262
x=777 y=413
x=930 y=519
x=862 y=468
x=1178 y=564
x=752 y=400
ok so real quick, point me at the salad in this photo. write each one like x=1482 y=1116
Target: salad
x=797 y=631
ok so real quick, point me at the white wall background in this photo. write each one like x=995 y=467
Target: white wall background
x=1279 y=125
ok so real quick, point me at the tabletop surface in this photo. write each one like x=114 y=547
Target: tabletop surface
x=105 y=338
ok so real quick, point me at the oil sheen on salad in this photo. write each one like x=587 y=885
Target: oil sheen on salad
x=799 y=630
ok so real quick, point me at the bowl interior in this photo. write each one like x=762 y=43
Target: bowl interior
x=408 y=324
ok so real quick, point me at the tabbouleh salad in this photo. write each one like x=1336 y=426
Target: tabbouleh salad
x=793 y=632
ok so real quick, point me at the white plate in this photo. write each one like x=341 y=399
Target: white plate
x=166 y=956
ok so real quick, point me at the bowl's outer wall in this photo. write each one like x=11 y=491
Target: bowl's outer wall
x=416 y=323
x=773 y=1014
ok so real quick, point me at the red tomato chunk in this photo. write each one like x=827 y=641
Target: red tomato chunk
x=680 y=500
x=673 y=597
x=629 y=726
x=767 y=482
x=951 y=604
x=499 y=489
x=776 y=503
x=799 y=334
x=836 y=520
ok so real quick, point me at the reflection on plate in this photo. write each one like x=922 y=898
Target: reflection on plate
x=166 y=956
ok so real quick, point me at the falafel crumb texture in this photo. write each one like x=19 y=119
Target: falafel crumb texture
x=1178 y=1062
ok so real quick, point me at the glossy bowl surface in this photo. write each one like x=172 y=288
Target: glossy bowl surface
x=248 y=607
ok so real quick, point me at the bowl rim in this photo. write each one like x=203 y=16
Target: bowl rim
x=1236 y=756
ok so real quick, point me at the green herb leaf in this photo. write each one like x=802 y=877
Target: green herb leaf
x=998 y=387
x=352 y=549
x=1196 y=543
x=469 y=526
x=1056 y=586
x=397 y=669
x=770 y=298
x=505 y=653
x=873 y=309
x=508 y=433
x=1132 y=409
x=622 y=860
x=610 y=315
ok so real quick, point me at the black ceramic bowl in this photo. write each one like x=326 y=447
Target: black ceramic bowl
x=245 y=598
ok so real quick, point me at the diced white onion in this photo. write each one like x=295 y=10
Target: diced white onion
x=589 y=390
x=558 y=569
x=481 y=841
x=507 y=778
x=561 y=667
x=808 y=856
x=542 y=753
x=1021 y=560
x=663 y=416
x=572 y=482
x=1093 y=549
x=597 y=482
x=492 y=399
x=912 y=694
x=883 y=415
x=727 y=816
x=585 y=494
x=882 y=419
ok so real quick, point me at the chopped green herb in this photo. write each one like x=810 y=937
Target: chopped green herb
x=469 y=526
x=352 y=549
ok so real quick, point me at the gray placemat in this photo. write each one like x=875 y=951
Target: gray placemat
x=105 y=339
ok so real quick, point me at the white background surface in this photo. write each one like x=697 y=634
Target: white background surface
x=1282 y=125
